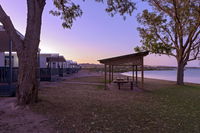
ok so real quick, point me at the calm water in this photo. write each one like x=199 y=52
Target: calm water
x=191 y=75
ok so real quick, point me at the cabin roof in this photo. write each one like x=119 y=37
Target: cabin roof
x=4 y=40
x=56 y=59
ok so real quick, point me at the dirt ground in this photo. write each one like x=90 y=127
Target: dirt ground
x=79 y=104
x=14 y=119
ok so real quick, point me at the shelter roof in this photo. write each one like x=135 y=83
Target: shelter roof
x=130 y=59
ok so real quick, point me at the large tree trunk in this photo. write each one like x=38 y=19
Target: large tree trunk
x=27 y=48
x=180 y=73
x=28 y=83
x=27 y=91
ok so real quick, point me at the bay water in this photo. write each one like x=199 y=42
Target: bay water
x=190 y=75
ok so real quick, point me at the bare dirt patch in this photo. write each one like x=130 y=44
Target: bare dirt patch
x=14 y=119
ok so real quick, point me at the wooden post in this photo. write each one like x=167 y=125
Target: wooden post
x=133 y=73
x=112 y=72
x=136 y=67
x=10 y=64
x=50 y=71
x=109 y=74
x=62 y=69
x=131 y=85
x=142 y=73
x=105 y=69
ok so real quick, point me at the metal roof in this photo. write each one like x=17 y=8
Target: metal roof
x=4 y=39
x=56 y=59
x=130 y=59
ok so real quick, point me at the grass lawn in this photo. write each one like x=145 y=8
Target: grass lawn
x=76 y=108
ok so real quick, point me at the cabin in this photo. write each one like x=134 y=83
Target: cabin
x=53 y=66
x=75 y=67
x=48 y=70
x=71 y=67
x=8 y=64
x=68 y=67
x=4 y=66
x=57 y=63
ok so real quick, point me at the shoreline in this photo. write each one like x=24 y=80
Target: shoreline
x=190 y=76
x=186 y=83
x=87 y=73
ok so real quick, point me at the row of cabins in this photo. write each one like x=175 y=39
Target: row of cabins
x=51 y=66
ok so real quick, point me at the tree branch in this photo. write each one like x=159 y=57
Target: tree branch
x=195 y=54
x=160 y=38
x=34 y=20
x=172 y=39
x=190 y=42
x=195 y=37
x=195 y=45
x=156 y=3
x=179 y=28
x=10 y=29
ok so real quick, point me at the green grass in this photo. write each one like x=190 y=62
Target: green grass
x=180 y=107
x=95 y=79
x=165 y=107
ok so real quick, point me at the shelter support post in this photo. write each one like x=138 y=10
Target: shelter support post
x=136 y=70
x=142 y=73
x=105 y=71
x=109 y=74
x=133 y=73
x=112 y=72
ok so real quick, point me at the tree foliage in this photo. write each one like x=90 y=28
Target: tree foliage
x=172 y=28
x=68 y=10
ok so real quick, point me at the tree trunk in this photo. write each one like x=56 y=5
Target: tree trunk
x=27 y=91
x=180 y=73
x=28 y=84
x=27 y=48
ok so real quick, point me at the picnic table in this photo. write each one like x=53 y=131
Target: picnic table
x=121 y=81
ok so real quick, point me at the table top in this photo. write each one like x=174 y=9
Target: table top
x=121 y=81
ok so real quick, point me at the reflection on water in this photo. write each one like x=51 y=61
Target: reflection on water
x=191 y=75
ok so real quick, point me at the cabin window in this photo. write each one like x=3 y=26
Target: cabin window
x=47 y=65
x=58 y=66
x=7 y=61
x=54 y=65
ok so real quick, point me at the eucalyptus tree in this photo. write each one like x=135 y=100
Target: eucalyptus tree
x=68 y=11
x=172 y=27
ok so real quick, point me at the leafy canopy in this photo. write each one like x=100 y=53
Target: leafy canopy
x=68 y=11
x=172 y=28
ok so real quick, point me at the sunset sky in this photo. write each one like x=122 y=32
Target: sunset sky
x=94 y=36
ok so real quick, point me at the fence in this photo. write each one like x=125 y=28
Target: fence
x=47 y=74
x=5 y=74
